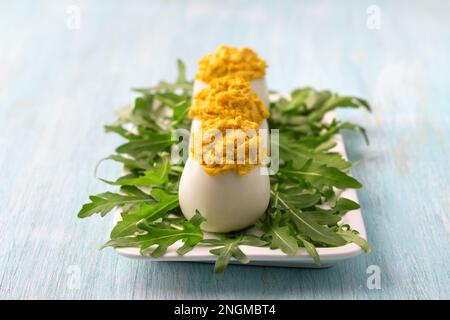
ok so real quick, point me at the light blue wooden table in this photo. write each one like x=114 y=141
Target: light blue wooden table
x=60 y=81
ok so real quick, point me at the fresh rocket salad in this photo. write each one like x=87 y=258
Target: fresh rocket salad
x=299 y=206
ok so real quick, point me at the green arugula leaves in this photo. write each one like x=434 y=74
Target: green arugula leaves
x=156 y=176
x=305 y=208
x=319 y=175
x=104 y=202
x=228 y=246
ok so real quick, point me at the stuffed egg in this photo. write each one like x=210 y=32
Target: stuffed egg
x=243 y=62
x=222 y=177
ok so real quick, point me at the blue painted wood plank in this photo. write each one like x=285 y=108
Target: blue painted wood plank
x=58 y=86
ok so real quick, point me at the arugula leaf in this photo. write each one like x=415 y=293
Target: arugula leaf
x=189 y=233
x=299 y=198
x=326 y=102
x=284 y=240
x=230 y=248
x=128 y=226
x=352 y=236
x=190 y=243
x=343 y=205
x=104 y=202
x=153 y=142
x=309 y=227
x=180 y=84
x=354 y=127
x=332 y=216
x=121 y=131
x=180 y=111
x=129 y=163
x=320 y=175
x=315 y=231
x=348 y=102
x=322 y=217
x=181 y=72
x=159 y=175
x=291 y=150
x=311 y=249
x=166 y=202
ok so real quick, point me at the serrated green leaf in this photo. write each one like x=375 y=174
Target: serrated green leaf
x=230 y=248
x=298 y=154
x=163 y=238
x=223 y=259
x=166 y=202
x=152 y=143
x=239 y=255
x=300 y=199
x=181 y=72
x=351 y=236
x=320 y=175
x=310 y=228
x=283 y=240
x=311 y=249
x=322 y=217
x=155 y=177
x=104 y=202
x=343 y=205
x=129 y=163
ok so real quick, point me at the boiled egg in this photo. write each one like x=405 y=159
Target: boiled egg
x=227 y=199
x=228 y=202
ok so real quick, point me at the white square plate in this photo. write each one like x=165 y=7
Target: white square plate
x=273 y=257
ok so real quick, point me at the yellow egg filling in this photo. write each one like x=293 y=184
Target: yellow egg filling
x=227 y=104
x=226 y=60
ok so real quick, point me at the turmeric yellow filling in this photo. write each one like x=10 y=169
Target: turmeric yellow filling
x=228 y=103
x=226 y=60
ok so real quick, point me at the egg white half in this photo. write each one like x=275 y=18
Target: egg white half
x=227 y=201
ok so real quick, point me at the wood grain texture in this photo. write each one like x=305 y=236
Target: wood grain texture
x=59 y=86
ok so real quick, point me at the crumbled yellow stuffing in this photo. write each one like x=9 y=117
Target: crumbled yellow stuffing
x=226 y=60
x=228 y=103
